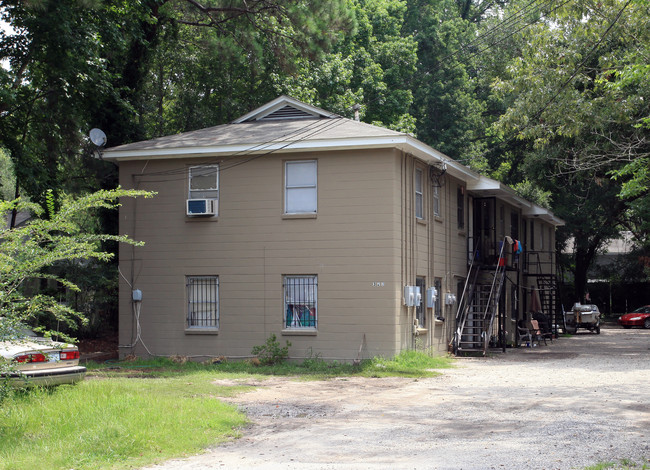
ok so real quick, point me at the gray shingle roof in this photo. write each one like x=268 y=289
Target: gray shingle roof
x=260 y=132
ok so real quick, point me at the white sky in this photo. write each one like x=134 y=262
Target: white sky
x=6 y=28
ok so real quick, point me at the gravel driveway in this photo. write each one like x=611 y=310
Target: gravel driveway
x=576 y=402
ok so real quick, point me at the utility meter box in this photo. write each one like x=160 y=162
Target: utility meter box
x=412 y=296
x=432 y=297
x=450 y=299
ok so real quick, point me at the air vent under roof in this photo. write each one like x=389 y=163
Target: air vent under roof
x=287 y=112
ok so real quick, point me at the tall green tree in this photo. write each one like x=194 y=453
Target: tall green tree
x=130 y=69
x=372 y=66
x=577 y=101
x=448 y=106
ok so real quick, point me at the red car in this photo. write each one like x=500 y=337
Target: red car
x=639 y=317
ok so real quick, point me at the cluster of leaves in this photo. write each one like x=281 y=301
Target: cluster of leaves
x=577 y=116
x=27 y=252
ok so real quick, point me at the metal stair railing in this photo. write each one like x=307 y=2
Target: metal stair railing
x=493 y=299
x=548 y=289
x=466 y=299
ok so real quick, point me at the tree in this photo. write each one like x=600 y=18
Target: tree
x=372 y=66
x=130 y=68
x=447 y=104
x=78 y=64
x=29 y=251
x=577 y=101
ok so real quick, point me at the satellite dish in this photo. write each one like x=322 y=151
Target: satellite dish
x=97 y=137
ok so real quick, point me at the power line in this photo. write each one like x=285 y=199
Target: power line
x=257 y=147
x=513 y=19
x=304 y=133
x=583 y=62
x=502 y=39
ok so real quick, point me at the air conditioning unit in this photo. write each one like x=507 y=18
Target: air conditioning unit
x=202 y=206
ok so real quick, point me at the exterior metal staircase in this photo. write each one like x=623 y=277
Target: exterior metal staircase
x=548 y=295
x=548 y=288
x=478 y=307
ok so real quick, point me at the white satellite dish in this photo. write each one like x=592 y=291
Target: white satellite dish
x=97 y=137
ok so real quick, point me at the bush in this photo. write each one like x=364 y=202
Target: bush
x=270 y=352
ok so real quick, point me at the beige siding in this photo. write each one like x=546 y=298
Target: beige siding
x=364 y=245
x=352 y=243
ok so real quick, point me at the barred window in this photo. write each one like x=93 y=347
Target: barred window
x=437 y=284
x=202 y=301
x=420 y=312
x=300 y=301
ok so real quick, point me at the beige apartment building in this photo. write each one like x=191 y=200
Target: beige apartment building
x=346 y=239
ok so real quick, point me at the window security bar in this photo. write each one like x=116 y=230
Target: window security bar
x=203 y=302
x=300 y=300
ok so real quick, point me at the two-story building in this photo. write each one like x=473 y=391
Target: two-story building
x=347 y=239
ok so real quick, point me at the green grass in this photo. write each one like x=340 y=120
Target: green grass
x=623 y=464
x=130 y=414
x=406 y=364
x=116 y=423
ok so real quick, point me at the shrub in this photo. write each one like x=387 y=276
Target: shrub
x=270 y=352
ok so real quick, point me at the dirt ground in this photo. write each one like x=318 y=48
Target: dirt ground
x=576 y=402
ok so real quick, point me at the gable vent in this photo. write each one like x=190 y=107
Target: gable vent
x=287 y=112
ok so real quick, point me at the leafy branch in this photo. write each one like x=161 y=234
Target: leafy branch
x=26 y=253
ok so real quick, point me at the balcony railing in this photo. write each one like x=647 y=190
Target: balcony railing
x=539 y=262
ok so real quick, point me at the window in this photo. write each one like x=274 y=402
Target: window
x=436 y=201
x=460 y=196
x=300 y=187
x=419 y=309
x=204 y=182
x=437 y=283
x=202 y=302
x=514 y=225
x=502 y=221
x=419 y=199
x=300 y=302
x=532 y=235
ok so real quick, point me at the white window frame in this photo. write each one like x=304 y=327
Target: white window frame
x=294 y=187
x=207 y=192
x=300 y=302
x=436 y=201
x=202 y=302
x=418 y=185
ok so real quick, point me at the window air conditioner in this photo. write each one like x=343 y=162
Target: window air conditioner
x=202 y=206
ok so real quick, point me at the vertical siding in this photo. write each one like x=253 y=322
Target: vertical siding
x=432 y=247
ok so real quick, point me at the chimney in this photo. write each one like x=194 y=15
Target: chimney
x=356 y=109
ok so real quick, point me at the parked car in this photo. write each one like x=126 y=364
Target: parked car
x=583 y=316
x=36 y=360
x=638 y=317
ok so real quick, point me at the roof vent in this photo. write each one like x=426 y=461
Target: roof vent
x=287 y=112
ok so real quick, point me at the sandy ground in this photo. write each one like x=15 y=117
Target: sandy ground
x=576 y=402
